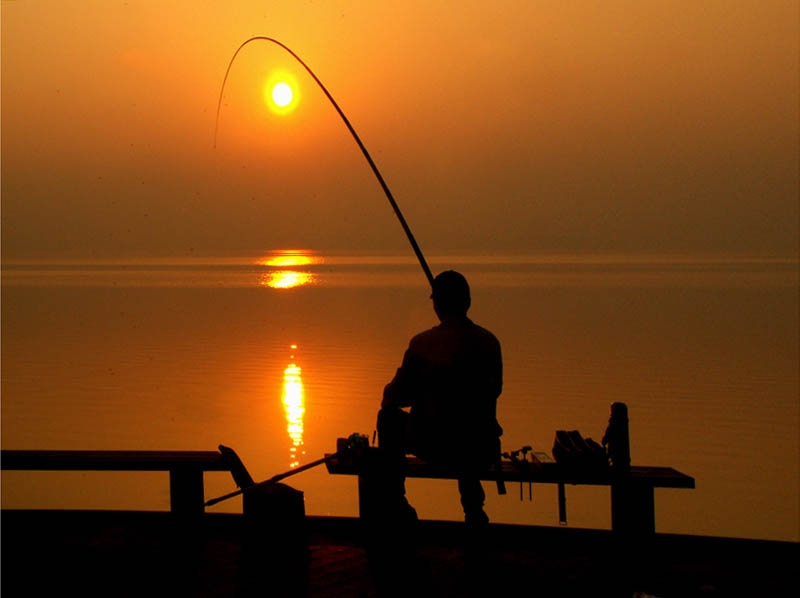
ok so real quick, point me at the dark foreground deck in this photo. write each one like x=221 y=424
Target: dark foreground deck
x=90 y=553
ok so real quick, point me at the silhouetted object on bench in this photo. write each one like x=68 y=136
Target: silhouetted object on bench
x=617 y=440
x=578 y=454
x=520 y=463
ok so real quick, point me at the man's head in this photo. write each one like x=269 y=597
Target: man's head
x=450 y=295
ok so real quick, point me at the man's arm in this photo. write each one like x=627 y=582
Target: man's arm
x=497 y=378
x=398 y=392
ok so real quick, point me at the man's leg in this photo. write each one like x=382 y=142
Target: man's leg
x=469 y=483
x=390 y=533
x=393 y=442
x=472 y=499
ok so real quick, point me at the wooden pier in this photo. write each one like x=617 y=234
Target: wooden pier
x=102 y=553
x=94 y=553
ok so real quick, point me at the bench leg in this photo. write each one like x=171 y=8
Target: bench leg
x=186 y=494
x=363 y=508
x=633 y=509
x=562 y=505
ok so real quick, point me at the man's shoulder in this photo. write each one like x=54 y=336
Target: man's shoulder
x=425 y=336
x=487 y=335
x=480 y=329
x=467 y=327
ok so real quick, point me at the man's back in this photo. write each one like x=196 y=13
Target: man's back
x=451 y=376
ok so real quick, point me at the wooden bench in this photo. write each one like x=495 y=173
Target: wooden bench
x=632 y=495
x=185 y=468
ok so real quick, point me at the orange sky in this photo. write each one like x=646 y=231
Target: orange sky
x=508 y=126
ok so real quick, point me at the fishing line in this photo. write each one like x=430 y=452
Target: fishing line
x=375 y=170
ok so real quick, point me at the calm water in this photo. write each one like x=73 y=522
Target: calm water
x=278 y=356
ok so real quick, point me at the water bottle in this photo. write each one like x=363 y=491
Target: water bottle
x=618 y=440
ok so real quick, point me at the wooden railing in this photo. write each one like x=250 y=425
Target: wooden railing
x=185 y=468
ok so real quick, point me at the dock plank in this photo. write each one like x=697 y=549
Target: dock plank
x=544 y=473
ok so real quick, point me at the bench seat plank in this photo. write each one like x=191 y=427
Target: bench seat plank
x=632 y=496
x=544 y=473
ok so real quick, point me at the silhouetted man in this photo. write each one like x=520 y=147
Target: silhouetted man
x=451 y=377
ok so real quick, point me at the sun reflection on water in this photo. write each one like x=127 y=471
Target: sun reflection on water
x=288 y=258
x=286 y=279
x=294 y=405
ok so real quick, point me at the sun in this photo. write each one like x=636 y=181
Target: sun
x=281 y=92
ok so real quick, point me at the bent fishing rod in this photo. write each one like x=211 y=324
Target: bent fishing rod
x=360 y=144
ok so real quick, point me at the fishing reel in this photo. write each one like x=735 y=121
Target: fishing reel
x=513 y=456
x=351 y=448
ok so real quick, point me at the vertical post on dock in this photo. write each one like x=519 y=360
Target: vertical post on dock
x=186 y=494
x=632 y=502
x=633 y=508
x=275 y=550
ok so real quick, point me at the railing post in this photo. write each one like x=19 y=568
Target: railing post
x=186 y=494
